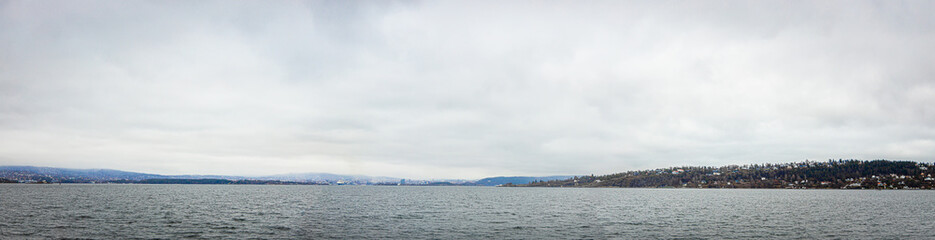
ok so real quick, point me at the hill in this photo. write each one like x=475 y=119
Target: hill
x=876 y=174
x=29 y=174
x=49 y=174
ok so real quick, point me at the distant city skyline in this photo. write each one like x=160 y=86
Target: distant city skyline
x=462 y=89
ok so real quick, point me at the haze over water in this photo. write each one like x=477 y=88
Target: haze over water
x=377 y=212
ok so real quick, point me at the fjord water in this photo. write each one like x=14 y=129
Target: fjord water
x=380 y=212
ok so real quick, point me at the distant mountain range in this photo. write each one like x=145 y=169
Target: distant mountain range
x=68 y=175
x=31 y=174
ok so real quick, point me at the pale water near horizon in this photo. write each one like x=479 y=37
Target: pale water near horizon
x=386 y=212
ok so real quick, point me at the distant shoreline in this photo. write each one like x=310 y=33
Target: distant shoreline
x=178 y=181
x=831 y=174
x=386 y=185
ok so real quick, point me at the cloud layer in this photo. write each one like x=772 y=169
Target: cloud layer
x=445 y=89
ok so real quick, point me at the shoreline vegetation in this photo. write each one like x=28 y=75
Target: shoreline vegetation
x=831 y=174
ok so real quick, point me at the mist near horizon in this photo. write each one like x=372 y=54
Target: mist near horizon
x=469 y=89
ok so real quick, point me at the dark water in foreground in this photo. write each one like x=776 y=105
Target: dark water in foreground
x=287 y=212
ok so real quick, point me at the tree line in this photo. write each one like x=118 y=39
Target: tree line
x=809 y=174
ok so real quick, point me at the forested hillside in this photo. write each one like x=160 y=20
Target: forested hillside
x=876 y=174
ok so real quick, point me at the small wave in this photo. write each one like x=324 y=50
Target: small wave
x=19 y=233
x=280 y=228
x=408 y=216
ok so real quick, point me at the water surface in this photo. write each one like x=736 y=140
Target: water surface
x=380 y=212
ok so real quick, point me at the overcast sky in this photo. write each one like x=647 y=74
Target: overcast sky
x=462 y=89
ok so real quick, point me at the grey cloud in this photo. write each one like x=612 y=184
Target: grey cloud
x=462 y=89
